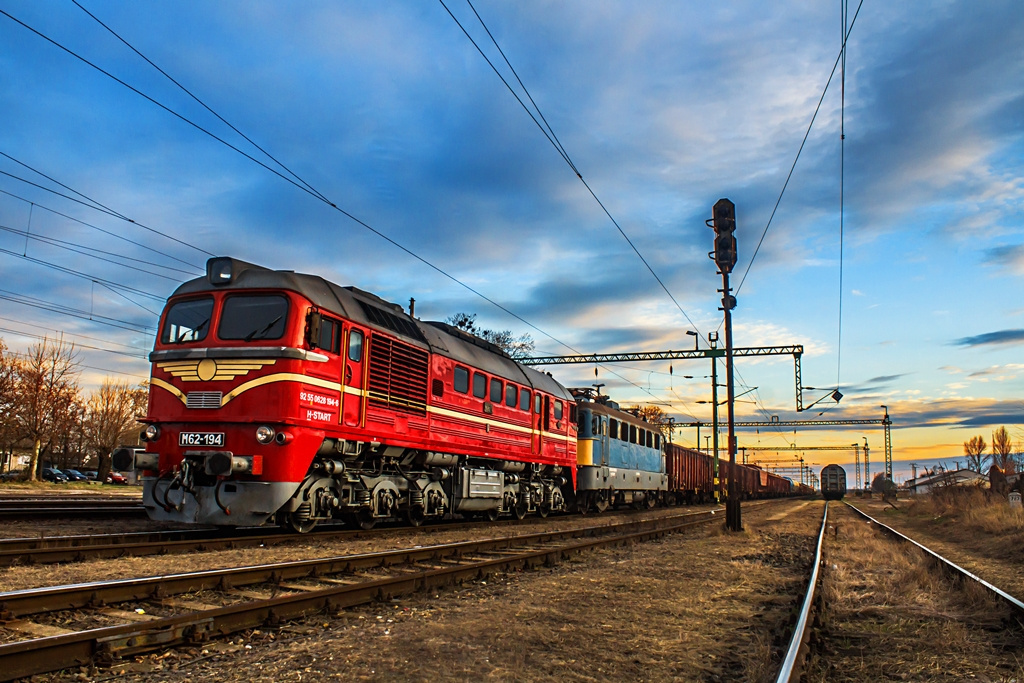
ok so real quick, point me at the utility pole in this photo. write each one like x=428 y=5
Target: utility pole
x=724 y=224
x=856 y=455
x=713 y=340
x=867 y=465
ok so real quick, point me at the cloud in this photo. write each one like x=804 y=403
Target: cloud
x=1007 y=337
x=1010 y=257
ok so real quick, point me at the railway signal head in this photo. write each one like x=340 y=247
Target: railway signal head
x=724 y=223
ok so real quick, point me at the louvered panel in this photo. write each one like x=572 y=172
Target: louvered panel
x=398 y=375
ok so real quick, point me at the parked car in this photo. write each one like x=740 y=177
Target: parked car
x=91 y=474
x=11 y=476
x=116 y=478
x=75 y=475
x=52 y=474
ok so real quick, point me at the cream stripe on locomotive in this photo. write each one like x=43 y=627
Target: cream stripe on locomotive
x=364 y=393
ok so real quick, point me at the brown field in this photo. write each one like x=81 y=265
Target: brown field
x=703 y=605
x=888 y=615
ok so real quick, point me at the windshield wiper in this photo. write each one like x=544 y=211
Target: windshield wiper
x=252 y=335
x=193 y=332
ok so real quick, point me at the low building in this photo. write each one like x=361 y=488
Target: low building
x=925 y=483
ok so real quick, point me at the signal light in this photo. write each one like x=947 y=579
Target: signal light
x=724 y=222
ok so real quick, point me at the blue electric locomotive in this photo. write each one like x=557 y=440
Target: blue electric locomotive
x=620 y=459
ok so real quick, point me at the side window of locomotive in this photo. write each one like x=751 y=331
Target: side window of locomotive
x=632 y=433
x=537 y=403
x=613 y=428
x=510 y=395
x=595 y=428
x=496 y=390
x=558 y=410
x=479 y=385
x=355 y=346
x=330 y=336
x=524 y=399
x=460 y=381
x=187 y=321
x=657 y=441
x=253 y=317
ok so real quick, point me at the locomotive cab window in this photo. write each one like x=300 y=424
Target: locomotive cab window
x=496 y=390
x=460 y=380
x=479 y=385
x=558 y=410
x=330 y=335
x=355 y=346
x=524 y=399
x=510 y=395
x=253 y=317
x=187 y=321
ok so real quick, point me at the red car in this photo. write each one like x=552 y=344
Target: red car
x=116 y=478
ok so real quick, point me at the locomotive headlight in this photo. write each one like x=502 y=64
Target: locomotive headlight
x=264 y=434
x=151 y=433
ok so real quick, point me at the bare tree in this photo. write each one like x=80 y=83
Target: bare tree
x=9 y=431
x=111 y=420
x=47 y=390
x=1002 y=451
x=516 y=347
x=653 y=415
x=975 y=449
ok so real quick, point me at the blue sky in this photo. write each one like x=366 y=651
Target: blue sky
x=389 y=111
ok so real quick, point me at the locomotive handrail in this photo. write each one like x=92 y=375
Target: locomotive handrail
x=800 y=632
x=237 y=352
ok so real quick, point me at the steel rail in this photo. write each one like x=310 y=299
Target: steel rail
x=798 y=643
x=48 y=550
x=30 y=657
x=954 y=569
x=78 y=548
x=58 y=511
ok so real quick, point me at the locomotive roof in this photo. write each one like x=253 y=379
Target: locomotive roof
x=371 y=310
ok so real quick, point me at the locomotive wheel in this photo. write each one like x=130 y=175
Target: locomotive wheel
x=520 y=509
x=366 y=520
x=543 y=510
x=300 y=523
x=492 y=515
x=650 y=501
x=583 y=504
x=415 y=516
x=363 y=520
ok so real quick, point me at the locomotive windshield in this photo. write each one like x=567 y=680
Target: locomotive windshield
x=253 y=317
x=187 y=321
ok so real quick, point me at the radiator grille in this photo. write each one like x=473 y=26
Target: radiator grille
x=203 y=399
x=398 y=375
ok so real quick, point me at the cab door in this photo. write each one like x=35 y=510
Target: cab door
x=353 y=381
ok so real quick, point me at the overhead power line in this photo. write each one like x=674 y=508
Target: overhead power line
x=549 y=133
x=86 y=201
x=105 y=232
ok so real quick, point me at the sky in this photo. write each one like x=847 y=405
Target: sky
x=373 y=144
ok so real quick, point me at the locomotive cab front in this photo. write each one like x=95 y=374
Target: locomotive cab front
x=232 y=397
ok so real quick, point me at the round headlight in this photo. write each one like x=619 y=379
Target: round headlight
x=264 y=434
x=152 y=433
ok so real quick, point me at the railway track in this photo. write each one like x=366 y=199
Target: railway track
x=793 y=668
x=60 y=627
x=53 y=507
x=83 y=548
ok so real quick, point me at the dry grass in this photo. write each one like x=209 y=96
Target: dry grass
x=889 y=615
x=703 y=605
x=974 y=509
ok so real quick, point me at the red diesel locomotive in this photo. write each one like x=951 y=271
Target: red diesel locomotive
x=279 y=396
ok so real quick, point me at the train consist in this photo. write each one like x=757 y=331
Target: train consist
x=281 y=397
x=833 y=482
